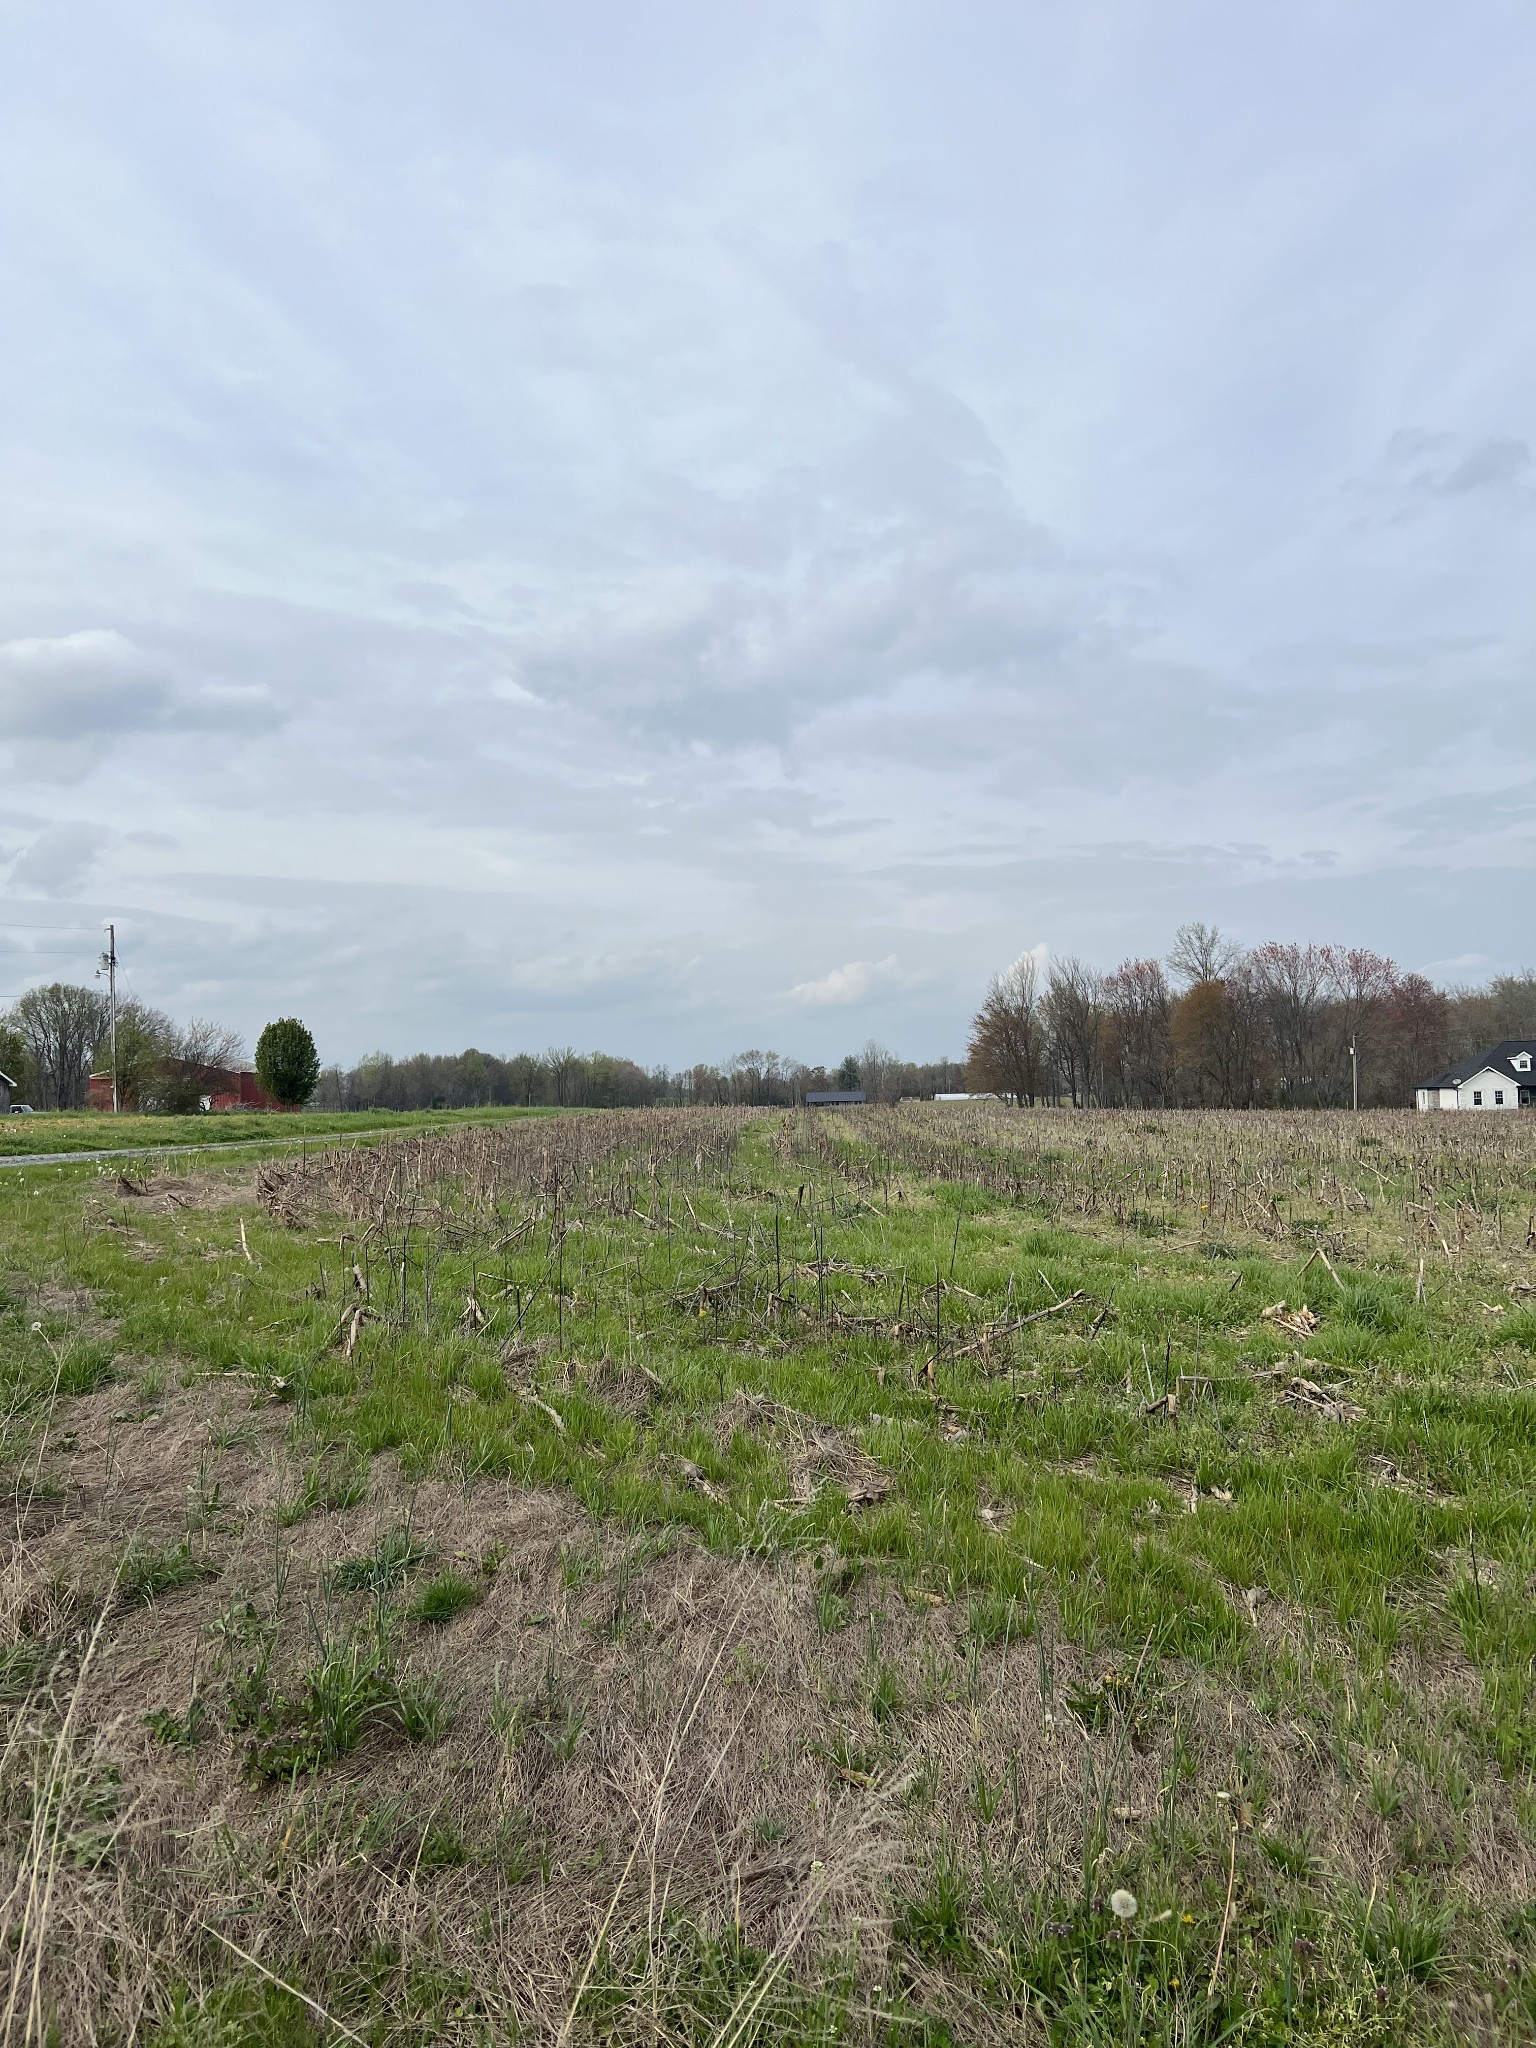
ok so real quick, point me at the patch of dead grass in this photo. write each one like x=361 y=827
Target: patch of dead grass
x=666 y=1732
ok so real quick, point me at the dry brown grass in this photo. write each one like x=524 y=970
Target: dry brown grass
x=1443 y=1182
x=728 y=1767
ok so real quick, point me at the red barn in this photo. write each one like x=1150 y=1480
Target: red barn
x=238 y=1088
x=223 y=1088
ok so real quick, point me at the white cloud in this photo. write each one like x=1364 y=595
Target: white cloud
x=60 y=860
x=1040 y=955
x=510 y=691
x=1463 y=967
x=846 y=985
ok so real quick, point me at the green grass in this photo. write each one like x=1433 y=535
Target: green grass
x=354 y=1688
x=1087 y=1492
x=443 y=1598
x=58 y=1130
x=997 y=1376
x=150 y=1569
x=393 y=1558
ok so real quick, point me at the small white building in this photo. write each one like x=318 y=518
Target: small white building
x=1503 y=1077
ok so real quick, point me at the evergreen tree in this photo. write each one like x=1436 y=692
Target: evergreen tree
x=287 y=1064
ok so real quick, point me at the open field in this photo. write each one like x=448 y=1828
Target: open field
x=58 y=1130
x=753 y=1577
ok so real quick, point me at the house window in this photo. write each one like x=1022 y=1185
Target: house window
x=1477 y=1098
x=1521 y=1063
x=1498 y=1095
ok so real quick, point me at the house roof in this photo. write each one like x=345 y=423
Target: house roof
x=6 y=1081
x=1497 y=1059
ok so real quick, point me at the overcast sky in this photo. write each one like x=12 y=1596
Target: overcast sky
x=675 y=527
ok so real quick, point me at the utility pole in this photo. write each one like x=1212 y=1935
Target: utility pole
x=1354 y=1075
x=109 y=961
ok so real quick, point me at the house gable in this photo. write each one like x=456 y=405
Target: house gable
x=1489 y=1088
x=1507 y=1069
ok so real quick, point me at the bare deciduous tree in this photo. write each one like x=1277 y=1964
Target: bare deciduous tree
x=1202 y=953
x=196 y=1059
x=144 y=1040
x=1138 y=1051
x=1214 y=1029
x=1291 y=984
x=1007 y=1049
x=60 y=1026
x=1074 y=1009
x=879 y=1072
x=1361 y=984
x=563 y=1065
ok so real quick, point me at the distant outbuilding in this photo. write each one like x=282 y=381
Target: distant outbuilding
x=1503 y=1077
x=7 y=1090
x=833 y=1098
x=224 y=1088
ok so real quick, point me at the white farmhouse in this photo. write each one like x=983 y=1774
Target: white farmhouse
x=1504 y=1077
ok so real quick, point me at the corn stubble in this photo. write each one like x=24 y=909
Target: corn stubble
x=915 y=1575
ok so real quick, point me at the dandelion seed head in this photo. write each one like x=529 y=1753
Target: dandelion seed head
x=1123 y=1905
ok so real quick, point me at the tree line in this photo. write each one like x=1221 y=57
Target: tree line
x=1214 y=1025
x=565 y=1078
x=53 y=1039
x=1218 y=1025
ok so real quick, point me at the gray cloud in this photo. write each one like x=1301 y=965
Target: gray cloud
x=60 y=861
x=91 y=682
x=1491 y=463
x=65 y=701
x=1418 y=467
x=728 y=537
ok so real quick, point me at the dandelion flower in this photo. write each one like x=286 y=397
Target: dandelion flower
x=1123 y=1905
